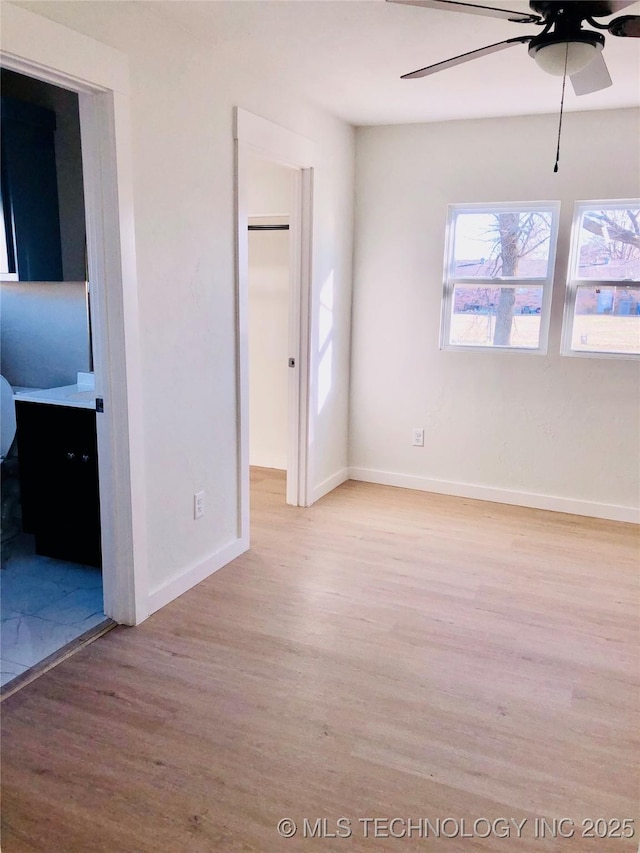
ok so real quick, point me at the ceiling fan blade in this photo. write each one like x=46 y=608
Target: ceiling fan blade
x=627 y=26
x=465 y=57
x=473 y=9
x=592 y=78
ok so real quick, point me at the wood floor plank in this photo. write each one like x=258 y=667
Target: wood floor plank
x=385 y=653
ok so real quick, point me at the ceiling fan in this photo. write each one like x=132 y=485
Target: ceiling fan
x=562 y=48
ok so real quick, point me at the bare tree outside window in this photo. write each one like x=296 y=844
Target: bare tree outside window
x=517 y=235
x=500 y=266
x=610 y=244
x=602 y=315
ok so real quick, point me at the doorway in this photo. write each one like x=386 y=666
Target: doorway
x=270 y=150
x=51 y=544
x=99 y=77
x=273 y=426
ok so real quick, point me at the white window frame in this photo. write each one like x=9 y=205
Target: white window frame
x=574 y=281
x=450 y=280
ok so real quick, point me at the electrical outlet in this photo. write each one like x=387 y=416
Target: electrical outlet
x=418 y=437
x=198 y=505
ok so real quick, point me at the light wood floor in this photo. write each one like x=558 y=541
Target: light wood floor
x=386 y=654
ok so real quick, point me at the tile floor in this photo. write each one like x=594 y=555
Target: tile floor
x=45 y=603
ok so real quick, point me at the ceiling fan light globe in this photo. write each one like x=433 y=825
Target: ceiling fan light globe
x=551 y=56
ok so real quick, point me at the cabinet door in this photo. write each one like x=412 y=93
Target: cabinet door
x=57 y=454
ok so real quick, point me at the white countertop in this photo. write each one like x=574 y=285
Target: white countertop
x=77 y=396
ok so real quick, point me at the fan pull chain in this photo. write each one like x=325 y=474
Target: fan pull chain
x=564 y=83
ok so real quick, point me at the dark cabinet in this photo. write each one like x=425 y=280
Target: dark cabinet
x=57 y=456
x=30 y=205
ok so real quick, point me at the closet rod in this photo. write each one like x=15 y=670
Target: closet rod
x=268 y=228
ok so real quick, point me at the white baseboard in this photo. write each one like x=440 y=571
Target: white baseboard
x=176 y=586
x=171 y=589
x=329 y=484
x=611 y=512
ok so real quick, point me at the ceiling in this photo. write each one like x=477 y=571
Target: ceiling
x=347 y=56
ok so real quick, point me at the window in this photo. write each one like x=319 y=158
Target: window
x=602 y=309
x=7 y=259
x=498 y=273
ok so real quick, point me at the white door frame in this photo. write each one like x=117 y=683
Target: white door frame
x=255 y=135
x=35 y=46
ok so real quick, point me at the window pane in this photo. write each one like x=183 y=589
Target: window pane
x=609 y=245
x=496 y=316
x=505 y=244
x=607 y=319
x=6 y=245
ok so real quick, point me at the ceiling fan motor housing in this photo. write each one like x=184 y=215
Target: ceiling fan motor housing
x=579 y=9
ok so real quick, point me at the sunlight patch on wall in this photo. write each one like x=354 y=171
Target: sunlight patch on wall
x=325 y=344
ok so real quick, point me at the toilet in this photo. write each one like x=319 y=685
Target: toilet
x=10 y=483
x=7 y=418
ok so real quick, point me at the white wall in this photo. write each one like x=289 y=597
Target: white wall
x=551 y=426
x=269 y=188
x=183 y=92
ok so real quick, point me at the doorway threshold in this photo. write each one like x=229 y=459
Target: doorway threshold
x=55 y=658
